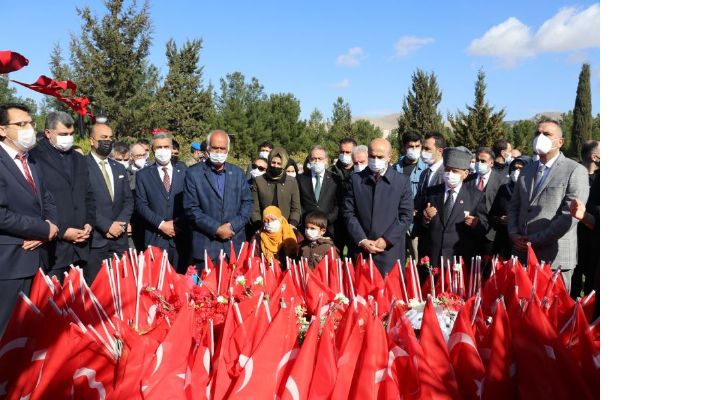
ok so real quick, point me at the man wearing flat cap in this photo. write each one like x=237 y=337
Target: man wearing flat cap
x=453 y=212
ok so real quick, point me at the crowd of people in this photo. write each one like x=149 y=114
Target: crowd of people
x=60 y=208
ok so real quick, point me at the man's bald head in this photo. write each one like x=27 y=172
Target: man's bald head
x=380 y=148
x=101 y=131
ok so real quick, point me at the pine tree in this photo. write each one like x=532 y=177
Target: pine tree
x=282 y=124
x=110 y=65
x=420 y=107
x=316 y=129
x=8 y=94
x=234 y=104
x=184 y=107
x=364 y=131
x=582 y=115
x=60 y=72
x=340 y=125
x=481 y=125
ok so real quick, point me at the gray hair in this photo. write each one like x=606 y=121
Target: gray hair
x=55 y=117
x=209 y=136
x=360 y=149
x=162 y=135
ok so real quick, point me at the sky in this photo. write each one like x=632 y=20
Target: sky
x=364 y=51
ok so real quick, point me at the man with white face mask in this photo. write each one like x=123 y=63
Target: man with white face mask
x=411 y=165
x=344 y=166
x=319 y=189
x=67 y=179
x=378 y=209
x=217 y=200
x=29 y=213
x=488 y=180
x=498 y=215
x=453 y=213
x=539 y=211
x=159 y=202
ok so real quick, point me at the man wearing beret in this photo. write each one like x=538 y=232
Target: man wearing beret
x=453 y=212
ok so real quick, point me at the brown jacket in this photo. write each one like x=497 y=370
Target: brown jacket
x=289 y=201
x=315 y=251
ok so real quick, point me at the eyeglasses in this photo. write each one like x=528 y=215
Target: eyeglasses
x=260 y=168
x=23 y=124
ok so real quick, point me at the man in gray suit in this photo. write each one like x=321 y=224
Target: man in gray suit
x=539 y=211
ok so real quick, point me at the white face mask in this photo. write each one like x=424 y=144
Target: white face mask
x=255 y=172
x=139 y=163
x=514 y=175
x=541 y=144
x=346 y=159
x=509 y=158
x=264 y=154
x=427 y=157
x=317 y=167
x=377 y=165
x=291 y=174
x=218 y=158
x=358 y=167
x=64 y=143
x=482 y=168
x=124 y=163
x=452 y=179
x=162 y=156
x=472 y=166
x=312 y=234
x=26 y=139
x=413 y=154
x=273 y=226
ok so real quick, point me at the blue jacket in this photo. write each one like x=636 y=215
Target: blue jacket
x=379 y=210
x=207 y=210
x=155 y=205
x=416 y=172
x=22 y=217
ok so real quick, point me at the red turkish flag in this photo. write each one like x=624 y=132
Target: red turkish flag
x=325 y=368
x=372 y=364
x=297 y=383
x=500 y=369
x=437 y=356
x=347 y=360
x=465 y=359
x=11 y=61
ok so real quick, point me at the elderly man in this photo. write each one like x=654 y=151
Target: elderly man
x=113 y=201
x=378 y=209
x=539 y=210
x=359 y=158
x=67 y=179
x=217 y=201
x=487 y=179
x=28 y=213
x=320 y=189
x=159 y=201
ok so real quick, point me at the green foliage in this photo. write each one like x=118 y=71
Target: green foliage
x=420 y=107
x=480 y=125
x=582 y=124
x=109 y=63
x=239 y=111
x=521 y=135
x=363 y=131
x=183 y=107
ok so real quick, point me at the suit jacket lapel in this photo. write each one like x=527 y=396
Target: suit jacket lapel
x=459 y=204
x=159 y=182
x=310 y=189
x=551 y=174
x=116 y=181
x=12 y=167
x=227 y=188
x=52 y=156
x=210 y=180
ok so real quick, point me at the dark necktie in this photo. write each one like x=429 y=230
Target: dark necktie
x=317 y=188
x=166 y=179
x=537 y=182
x=26 y=169
x=425 y=178
x=448 y=205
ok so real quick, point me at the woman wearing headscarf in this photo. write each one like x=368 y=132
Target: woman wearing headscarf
x=276 y=188
x=276 y=239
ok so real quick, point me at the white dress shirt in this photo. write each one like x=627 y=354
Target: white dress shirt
x=108 y=170
x=434 y=167
x=546 y=171
x=313 y=179
x=161 y=173
x=484 y=177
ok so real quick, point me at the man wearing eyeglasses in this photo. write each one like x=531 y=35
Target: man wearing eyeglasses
x=28 y=213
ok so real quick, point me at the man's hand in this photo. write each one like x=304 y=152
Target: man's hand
x=31 y=244
x=53 y=230
x=370 y=247
x=577 y=209
x=168 y=228
x=225 y=232
x=470 y=220
x=504 y=220
x=381 y=244
x=73 y=235
x=520 y=242
x=429 y=212
x=115 y=230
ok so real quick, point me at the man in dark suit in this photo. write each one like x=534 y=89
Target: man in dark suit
x=218 y=201
x=378 y=209
x=28 y=214
x=67 y=178
x=159 y=201
x=539 y=211
x=113 y=201
x=454 y=211
x=319 y=189
x=433 y=157
x=487 y=180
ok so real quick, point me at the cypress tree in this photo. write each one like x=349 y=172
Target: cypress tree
x=582 y=123
x=420 y=107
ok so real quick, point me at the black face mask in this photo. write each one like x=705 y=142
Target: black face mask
x=174 y=159
x=104 y=148
x=274 y=172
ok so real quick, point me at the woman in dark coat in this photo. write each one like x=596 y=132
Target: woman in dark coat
x=498 y=216
x=275 y=188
